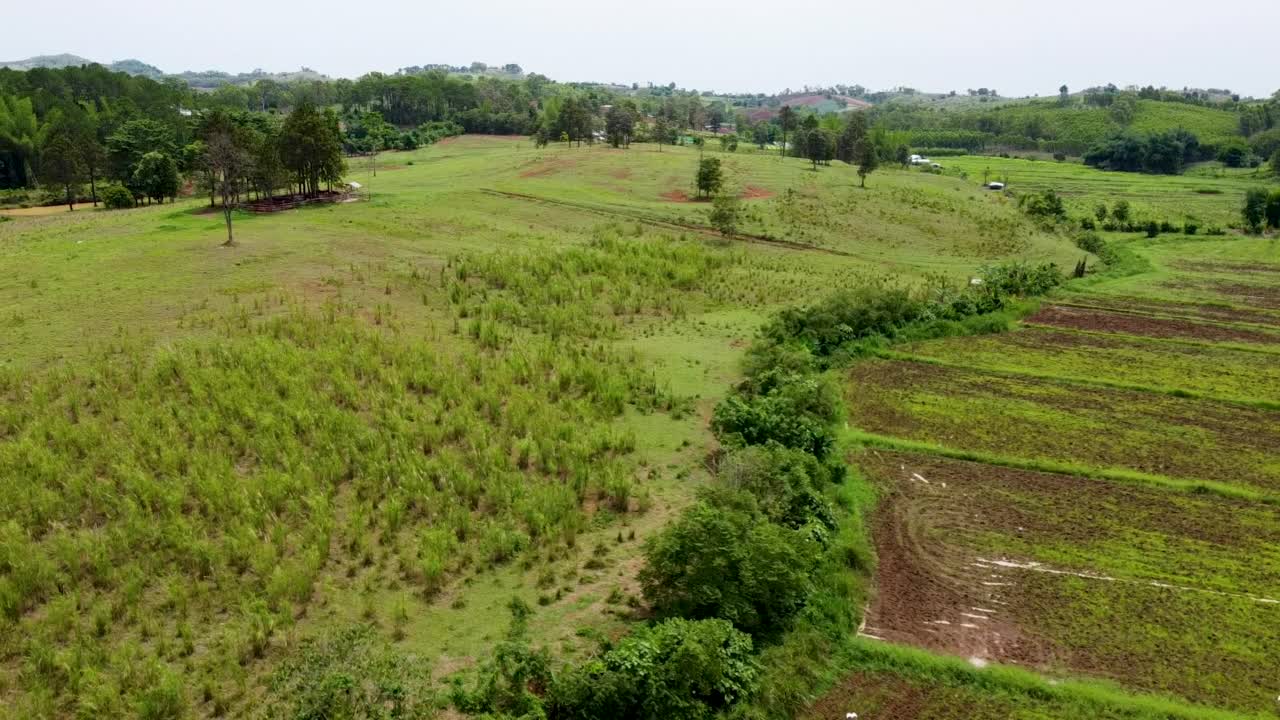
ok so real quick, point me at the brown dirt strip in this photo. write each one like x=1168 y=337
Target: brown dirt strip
x=924 y=595
x=1111 y=321
x=1187 y=311
x=1263 y=296
x=942 y=586
x=672 y=225
x=755 y=192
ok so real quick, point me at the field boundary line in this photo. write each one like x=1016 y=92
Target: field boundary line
x=1231 y=324
x=1057 y=467
x=669 y=224
x=1260 y=349
x=1172 y=392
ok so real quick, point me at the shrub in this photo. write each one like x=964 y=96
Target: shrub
x=1087 y=223
x=710 y=177
x=1190 y=227
x=795 y=411
x=1044 y=205
x=725 y=213
x=786 y=484
x=1254 y=212
x=1273 y=209
x=1235 y=153
x=677 y=669
x=116 y=197
x=1091 y=242
x=728 y=564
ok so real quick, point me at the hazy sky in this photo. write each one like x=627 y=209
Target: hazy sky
x=1014 y=46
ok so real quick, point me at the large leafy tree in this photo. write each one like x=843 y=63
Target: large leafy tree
x=311 y=148
x=732 y=564
x=787 y=121
x=62 y=156
x=131 y=142
x=675 y=670
x=710 y=176
x=620 y=123
x=156 y=177
x=867 y=156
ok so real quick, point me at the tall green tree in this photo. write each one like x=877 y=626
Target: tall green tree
x=620 y=123
x=229 y=162
x=786 y=120
x=853 y=132
x=156 y=177
x=133 y=140
x=311 y=148
x=62 y=157
x=868 y=158
x=710 y=177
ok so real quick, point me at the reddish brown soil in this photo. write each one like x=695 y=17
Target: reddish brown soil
x=927 y=590
x=755 y=192
x=1076 y=318
x=675 y=196
x=1187 y=310
x=1258 y=296
x=941 y=522
x=622 y=174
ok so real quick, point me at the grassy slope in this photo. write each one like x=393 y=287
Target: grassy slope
x=132 y=284
x=1207 y=200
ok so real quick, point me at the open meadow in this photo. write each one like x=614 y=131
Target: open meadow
x=489 y=378
x=494 y=376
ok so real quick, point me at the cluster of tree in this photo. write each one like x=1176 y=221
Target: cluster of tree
x=239 y=154
x=366 y=132
x=1161 y=152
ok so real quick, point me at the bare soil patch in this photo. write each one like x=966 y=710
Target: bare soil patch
x=959 y=543
x=755 y=192
x=675 y=196
x=621 y=174
x=1188 y=310
x=927 y=593
x=1262 y=296
x=1076 y=318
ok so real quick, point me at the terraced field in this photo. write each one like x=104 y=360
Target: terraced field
x=1096 y=494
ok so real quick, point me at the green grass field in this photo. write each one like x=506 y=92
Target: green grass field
x=490 y=379
x=493 y=377
x=1207 y=200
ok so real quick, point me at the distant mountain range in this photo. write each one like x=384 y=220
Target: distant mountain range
x=206 y=80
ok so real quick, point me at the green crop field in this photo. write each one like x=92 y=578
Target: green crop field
x=495 y=375
x=1205 y=199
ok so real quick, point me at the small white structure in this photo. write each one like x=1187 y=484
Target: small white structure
x=919 y=160
x=995 y=186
